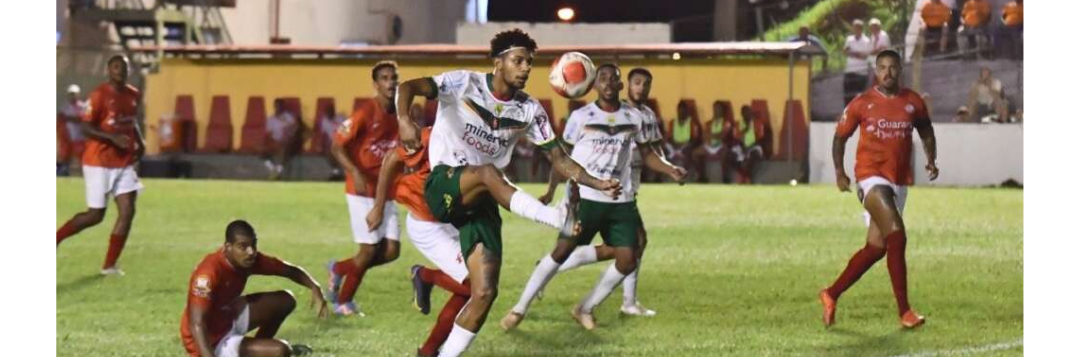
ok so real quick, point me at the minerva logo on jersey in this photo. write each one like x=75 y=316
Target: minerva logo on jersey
x=483 y=139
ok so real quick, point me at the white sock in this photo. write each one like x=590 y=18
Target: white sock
x=629 y=287
x=545 y=270
x=522 y=204
x=457 y=342
x=607 y=283
x=583 y=255
x=269 y=165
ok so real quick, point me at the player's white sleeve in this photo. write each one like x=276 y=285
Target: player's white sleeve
x=540 y=132
x=642 y=135
x=450 y=85
x=572 y=130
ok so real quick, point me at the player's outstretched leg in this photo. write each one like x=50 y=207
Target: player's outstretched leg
x=82 y=220
x=487 y=179
x=544 y=271
x=484 y=266
x=125 y=208
x=859 y=263
x=445 y=322
x=625 y=263
x=266 y=312
x=880 y=202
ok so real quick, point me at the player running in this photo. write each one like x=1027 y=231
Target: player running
x=885 y=116
x=359 y=146
x=217 y=318
x=114 y=145
x=479 y=119
x=602 y=134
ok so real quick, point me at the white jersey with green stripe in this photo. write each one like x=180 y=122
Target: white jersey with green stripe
x=602 y=145
x=651 y=125
x=472 y=127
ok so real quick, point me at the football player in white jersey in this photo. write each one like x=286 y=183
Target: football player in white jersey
x=479 y=119
x=603 y=134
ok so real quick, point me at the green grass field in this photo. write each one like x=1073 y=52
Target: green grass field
x=730 y=271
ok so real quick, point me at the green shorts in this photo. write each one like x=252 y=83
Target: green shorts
x=478 y=223
x=617 y=223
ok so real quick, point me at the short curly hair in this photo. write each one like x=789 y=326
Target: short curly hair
x=380 y=65
x=509 y=39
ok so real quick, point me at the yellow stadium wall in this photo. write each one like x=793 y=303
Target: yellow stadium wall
x=704 y=80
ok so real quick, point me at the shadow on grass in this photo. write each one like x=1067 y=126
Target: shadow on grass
x=78 y=284
x=869 y=345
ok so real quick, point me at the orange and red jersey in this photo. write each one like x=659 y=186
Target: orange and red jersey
x=885 y=128
x=367 y=136
x=215 y=285
x=975 y=13
x=1013 y=14
x=410 y=186
x=112 y=111
x=935 y=14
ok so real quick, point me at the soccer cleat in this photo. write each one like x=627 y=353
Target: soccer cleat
x=301 y=350
x=829 y=304
x=511 y=321
x=637 y=310
x=348 y=309
x=912 y=319
x=584 y=318
x=421 y=291
x=112 y=271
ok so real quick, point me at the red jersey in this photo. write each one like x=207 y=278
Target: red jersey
x=214 y=285
x=112 y=111
x=367 y=136
x=886 y=125
x=410 y=186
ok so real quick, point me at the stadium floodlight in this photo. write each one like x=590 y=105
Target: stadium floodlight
x=566 y=14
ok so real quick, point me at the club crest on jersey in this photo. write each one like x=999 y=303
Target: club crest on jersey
x=910 y=109
x=201 y=288
x=494 y=121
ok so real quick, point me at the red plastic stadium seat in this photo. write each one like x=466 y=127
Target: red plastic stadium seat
x=185 y=113
x=219 y=131
x=761 y=113
x=318 y=141
x=253 y=134
x=799 y=132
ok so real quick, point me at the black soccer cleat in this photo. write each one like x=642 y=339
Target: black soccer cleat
x=421 y=291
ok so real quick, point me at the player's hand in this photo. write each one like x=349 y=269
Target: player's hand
x=547 y=197
x=678 y=174
x=121 y=141
x=374 y=217
x=318 y=301
x=843 y=181
x=410 y=134
x=610 y=187
x=932 y=171
x=359 y=182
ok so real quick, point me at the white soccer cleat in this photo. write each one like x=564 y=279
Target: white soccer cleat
x=112 y=271
x=511 y=321
x=637 y=310
x=586 y=319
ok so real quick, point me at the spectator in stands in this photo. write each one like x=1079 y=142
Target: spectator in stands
x=805 y=36
x=282 y=135
x=972 y=33
x=745 y=145
x=330 y=122
x=683 y=137
x=858 y=49
x=72 y=113
x=879 y=40
x=1011 y=35
x=986 y=99
x=716 y=130
x=962 y=114
x=935 y=31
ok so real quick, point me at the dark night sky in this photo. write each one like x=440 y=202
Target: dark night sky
x=594 y=11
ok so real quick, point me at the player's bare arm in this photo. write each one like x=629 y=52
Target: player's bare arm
x=656 y=162
x=839 y=143
x=407 y=128
x=391 y=167
x=300 y=276
x=197 y=325
x=929 y=142
x=554 y=179
x=567 y=167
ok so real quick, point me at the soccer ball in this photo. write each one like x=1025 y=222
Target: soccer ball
x=572 y=75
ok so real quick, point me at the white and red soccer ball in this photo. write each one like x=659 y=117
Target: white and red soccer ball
x=572 y=75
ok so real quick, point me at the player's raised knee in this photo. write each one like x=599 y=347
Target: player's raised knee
x=95 y=215
x=626 y=267
x=287 y=300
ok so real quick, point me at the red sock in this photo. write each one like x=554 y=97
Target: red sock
x=443 y=325
x=440 y=279
x=352 y=282
x=344 y=267
x=116 y=246
x=66 y=231
x=859 y=264
x=896 y=244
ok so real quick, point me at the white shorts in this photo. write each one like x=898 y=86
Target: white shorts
x=229 y=346
x=439 y=243
x=101 y=182
x=870 y=182
x=359 y=206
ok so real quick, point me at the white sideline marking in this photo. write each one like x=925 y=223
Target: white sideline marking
x=969 y=350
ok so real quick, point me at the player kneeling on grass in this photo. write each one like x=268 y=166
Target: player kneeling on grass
x=217 y=317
